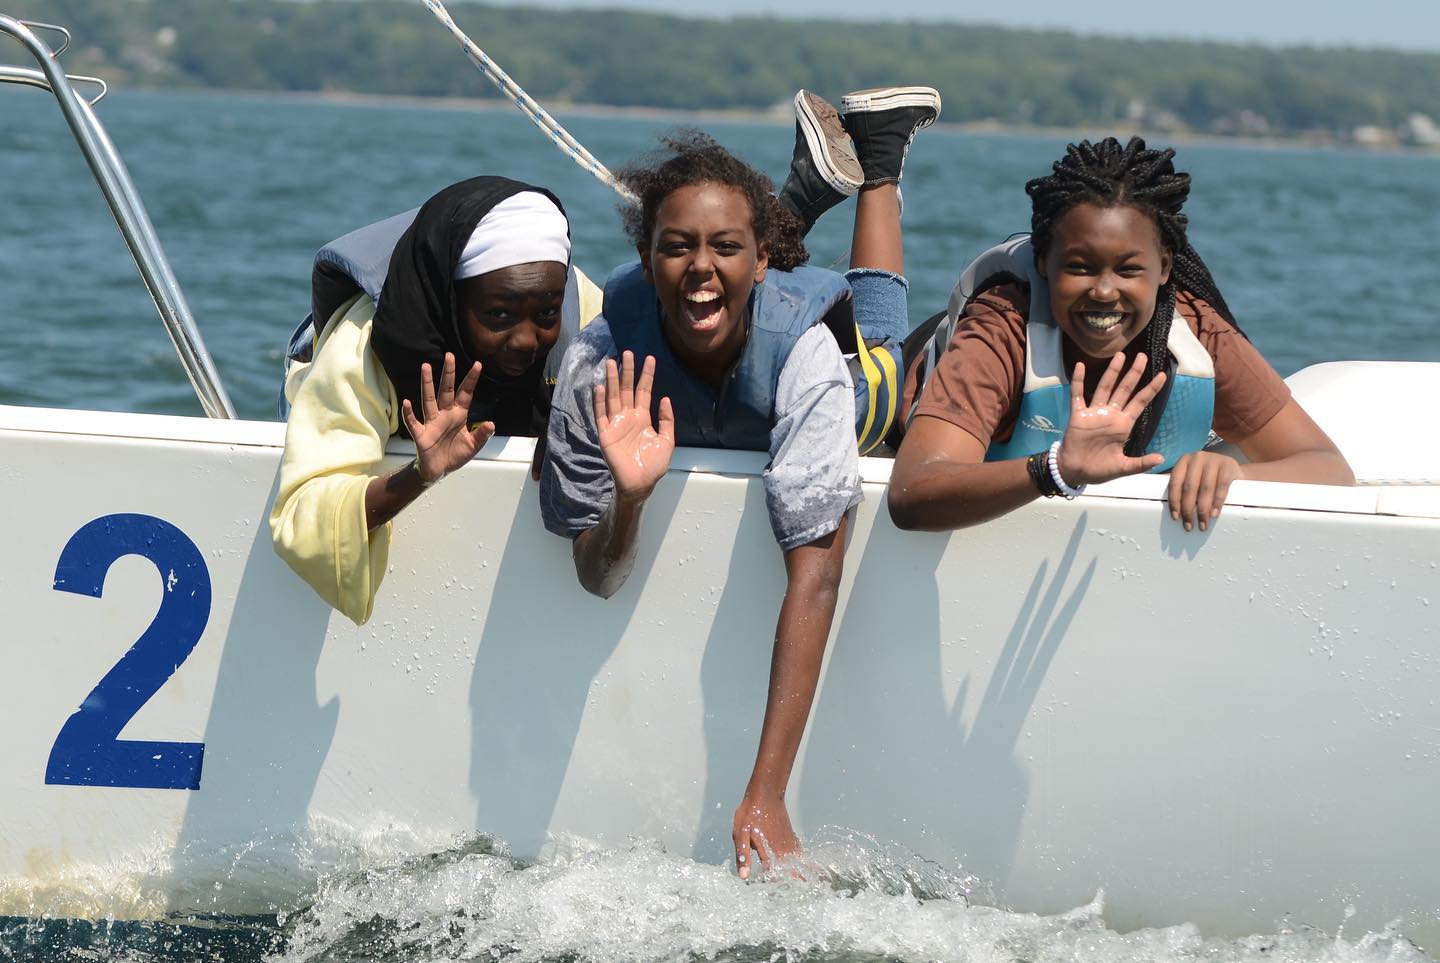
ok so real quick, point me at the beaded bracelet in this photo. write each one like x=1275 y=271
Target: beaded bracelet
x=1053 y=459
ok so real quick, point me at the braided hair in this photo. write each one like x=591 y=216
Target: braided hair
x=1108 y=175
x=691 y=157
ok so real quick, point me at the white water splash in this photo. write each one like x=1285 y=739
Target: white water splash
x=641 y=904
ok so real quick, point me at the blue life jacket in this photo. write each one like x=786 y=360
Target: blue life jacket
x=359 y=262
x=1188 y=398
x=740 y=415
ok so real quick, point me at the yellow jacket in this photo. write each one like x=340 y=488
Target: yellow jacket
x=343 y=411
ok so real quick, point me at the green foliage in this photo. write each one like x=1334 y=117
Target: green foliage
x=640 y=59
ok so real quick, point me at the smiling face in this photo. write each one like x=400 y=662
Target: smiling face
x=510 y=318
x=1105 y=268
x=704 y=261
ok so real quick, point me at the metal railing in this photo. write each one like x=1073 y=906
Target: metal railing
x=125 y=205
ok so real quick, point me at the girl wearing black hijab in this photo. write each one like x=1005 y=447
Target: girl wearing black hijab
x=478 y=289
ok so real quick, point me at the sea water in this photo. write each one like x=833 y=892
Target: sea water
x=852 y=900
x=1324 y=254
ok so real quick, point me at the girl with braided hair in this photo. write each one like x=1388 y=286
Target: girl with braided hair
x=722 y=337
x=1107 y=288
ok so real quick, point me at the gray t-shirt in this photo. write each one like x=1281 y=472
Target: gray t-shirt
x=813 y=477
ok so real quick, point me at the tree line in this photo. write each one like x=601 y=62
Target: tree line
x=1001 y=75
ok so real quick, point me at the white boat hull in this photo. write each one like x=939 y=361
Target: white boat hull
x=1228 y=728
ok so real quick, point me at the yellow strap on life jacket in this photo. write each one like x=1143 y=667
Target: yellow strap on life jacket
x=882 y=391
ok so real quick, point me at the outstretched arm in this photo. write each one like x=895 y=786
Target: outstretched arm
x=941 y=481
x=762 y=823
x=638 y=456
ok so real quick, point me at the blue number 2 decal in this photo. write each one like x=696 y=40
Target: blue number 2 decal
x=89 y=750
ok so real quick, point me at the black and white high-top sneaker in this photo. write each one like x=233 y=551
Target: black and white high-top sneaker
x=882 y=122
x=823 y=170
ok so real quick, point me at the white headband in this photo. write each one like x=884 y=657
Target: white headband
x=522 y=228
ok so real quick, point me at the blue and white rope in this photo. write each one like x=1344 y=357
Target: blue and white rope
x=527 y=105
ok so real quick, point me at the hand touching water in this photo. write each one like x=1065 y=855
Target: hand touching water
x=762 y=828
x=638 y=454
x=1093 y=448
x=444 y=441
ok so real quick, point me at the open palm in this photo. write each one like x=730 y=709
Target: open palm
x=1093 y=449
x=637 y=453
x=444 y=441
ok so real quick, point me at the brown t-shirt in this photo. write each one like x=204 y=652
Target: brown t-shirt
x=980 y=377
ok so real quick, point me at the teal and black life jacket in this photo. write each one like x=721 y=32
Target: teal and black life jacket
x=1189 y=399
x=782 y=308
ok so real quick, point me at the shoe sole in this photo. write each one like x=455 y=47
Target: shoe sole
x=829 y=145
x=891 y=98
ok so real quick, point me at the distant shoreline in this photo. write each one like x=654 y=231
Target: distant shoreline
x=781 y=116
x=1002 y=80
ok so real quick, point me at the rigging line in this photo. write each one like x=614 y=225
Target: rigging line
x=538 y=115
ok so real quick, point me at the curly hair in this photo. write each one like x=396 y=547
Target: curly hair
x=691 y=157
x=1109 y=175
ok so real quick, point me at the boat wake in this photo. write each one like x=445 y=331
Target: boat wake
x=580 y=902
x=852 y=900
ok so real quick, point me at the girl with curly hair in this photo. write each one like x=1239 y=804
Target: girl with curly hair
x=721 y=337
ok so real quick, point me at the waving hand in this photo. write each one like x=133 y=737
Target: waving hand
x=638 y=454
x=1093 y=448
x=444 y=441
